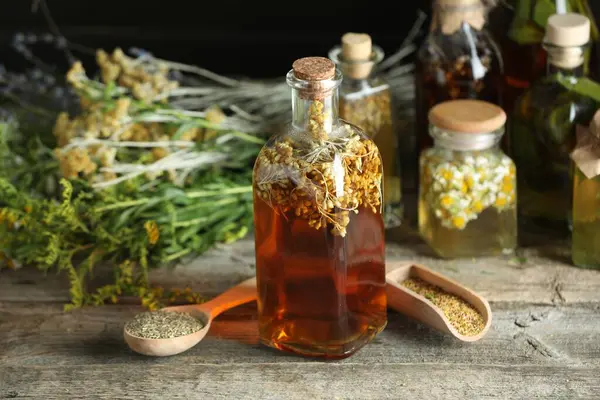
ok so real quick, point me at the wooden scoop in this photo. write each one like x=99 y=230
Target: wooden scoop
x=243 y=293
x=418 y=307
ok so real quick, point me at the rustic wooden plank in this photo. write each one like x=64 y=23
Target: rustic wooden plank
x=41 y=334
x=300 y=381
x=540 y=275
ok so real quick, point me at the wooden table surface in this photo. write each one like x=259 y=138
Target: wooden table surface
x=544 y=341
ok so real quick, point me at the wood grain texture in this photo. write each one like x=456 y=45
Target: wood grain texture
x=540 y=275
x=302 y=381
x=544 y=341
x=42 y=335
x=530 y=352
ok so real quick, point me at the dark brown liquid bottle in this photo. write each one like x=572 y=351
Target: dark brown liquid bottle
x=544 y=124
x=319 y=232
x=524 y=57
x=458 y=60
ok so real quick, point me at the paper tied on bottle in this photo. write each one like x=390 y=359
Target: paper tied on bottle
x=586 y=154
x=450 y=15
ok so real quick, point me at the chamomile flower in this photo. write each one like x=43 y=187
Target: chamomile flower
x=459 y=187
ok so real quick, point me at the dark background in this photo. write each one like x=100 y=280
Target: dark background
x=252 y=38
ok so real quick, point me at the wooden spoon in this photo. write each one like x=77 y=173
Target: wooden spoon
x=418 y=307
x=205 y=312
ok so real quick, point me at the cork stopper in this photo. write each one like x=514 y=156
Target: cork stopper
x=313 y=68
x=356 y=46
x=567 y=30
x=467 y=116
x=357 y=50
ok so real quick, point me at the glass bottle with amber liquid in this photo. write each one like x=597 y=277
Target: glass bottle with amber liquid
x=542 y=128
x=366 y=101
x=585 y=247
x=521 y=42
x=319 y=232
x=459 y=59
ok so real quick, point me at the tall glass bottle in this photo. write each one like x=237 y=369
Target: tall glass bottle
x=542 y=133
x=366 y=101
x=458 y=60
x=524 y=57
x=585 y=250
x=319 y=233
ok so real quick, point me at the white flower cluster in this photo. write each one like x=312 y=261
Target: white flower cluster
x=458 y=186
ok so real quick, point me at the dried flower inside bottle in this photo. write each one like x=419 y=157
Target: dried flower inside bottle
x=318 y=225
x=366 y=101
x=467 y=200
x=459 y=59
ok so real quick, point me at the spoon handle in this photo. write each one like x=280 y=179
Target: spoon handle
x=244 y=292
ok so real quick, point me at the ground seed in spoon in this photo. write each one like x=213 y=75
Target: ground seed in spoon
x=462 y=315
x=163 y=325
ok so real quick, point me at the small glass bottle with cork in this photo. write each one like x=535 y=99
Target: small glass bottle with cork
x=585 y=248
x=521 y=39
x=319 y=232
x=543 y=124
x=366 y=101
x=459 y=59
x=467 y=190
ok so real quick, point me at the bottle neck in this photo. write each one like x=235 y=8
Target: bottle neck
x=569 y=61
x=310 y=113
x=457 y=141
x=449 y=16
x=576 y=72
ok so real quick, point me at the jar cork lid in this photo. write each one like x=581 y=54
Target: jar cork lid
x=314 y=68
x=467 y=116
x=567 y=30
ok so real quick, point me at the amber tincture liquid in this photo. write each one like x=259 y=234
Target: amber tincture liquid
x=320 y=294
x=319 y=231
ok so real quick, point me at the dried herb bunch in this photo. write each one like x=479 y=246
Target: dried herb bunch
x=301 y=175
x=129 y=181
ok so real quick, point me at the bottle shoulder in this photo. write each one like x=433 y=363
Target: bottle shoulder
x=547 y=96
x=438 y=46
x=375 y=84
x=301 y=138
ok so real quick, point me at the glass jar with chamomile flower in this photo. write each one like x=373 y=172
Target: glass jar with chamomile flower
x=467 y=191
x=319 y=231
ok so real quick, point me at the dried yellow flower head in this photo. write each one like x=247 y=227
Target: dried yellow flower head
x=75 y=161
x=323 y=179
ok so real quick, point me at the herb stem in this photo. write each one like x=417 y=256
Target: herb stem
x=177 y=255
x=210 y=193
x=122 y=204
x=249 y=138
